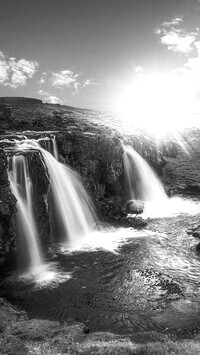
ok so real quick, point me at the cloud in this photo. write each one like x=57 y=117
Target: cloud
x=64 y=79
x=53 y=100
x=89 y=82
x=174 y=22
x=43 y=92
x=15 y=73
x=49 y=98
x=43 y=78
x=173 y=35
x=192 y=66
x=178 y=43
x=176 y=38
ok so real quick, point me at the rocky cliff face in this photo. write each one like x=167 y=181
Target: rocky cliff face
x=7 y=212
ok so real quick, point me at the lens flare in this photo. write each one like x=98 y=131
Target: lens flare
x=159 y=104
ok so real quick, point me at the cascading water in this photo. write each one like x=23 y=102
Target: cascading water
x=28 y=247
x=72 y=214
x=49 y=144
x=70 y=203
x=143 y=183
x=55 y=148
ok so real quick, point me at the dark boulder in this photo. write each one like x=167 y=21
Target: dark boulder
x=134 y=207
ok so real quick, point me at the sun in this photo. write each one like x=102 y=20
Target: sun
x=158 y=103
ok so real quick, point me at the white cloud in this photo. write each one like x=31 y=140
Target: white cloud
x=43 y=78
x=15 y=73
x=174 y=22
x=43 y=92
x=175 y=37
x=178 y=42
x=53 y=100
x=192 y=66
x=139 y=71
x=89 y=82
x=64 y=79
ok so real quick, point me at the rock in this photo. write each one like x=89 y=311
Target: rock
x=111 y=207
x=86 y=330
x=189 y=231
x=7 y=212
x=197 y=248
x=196 y=234
x=134 y=207
x=193 y=187
x=130 y=222
x=194 y=231
x=181 y=187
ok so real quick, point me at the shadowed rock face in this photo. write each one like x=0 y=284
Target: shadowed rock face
x=7 y=212
x=97 y=158
x=8 y=203
x=40 y=182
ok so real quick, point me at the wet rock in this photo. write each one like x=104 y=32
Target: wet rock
x=7 y=212
x=111 y=207
x=189 y=231
x=181 y=187
x=194 y=231
x=134 y=207
x=197 y=248
x=131 y=222
x=98 y=159
x=196 y=234
x=86 y=330
x=40 y=181
x=193 y=187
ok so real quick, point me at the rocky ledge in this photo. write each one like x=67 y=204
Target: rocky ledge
x=24 y=336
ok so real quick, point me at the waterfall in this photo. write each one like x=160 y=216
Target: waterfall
x=71 y=211
x=27 y=235
x=71 y=205
x=55 y=148
x=143 y=183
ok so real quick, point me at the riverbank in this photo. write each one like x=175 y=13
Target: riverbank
x=20 y=335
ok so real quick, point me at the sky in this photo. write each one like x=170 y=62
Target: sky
x=84 y=53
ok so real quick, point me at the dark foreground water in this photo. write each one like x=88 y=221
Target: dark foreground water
x=122 y=280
